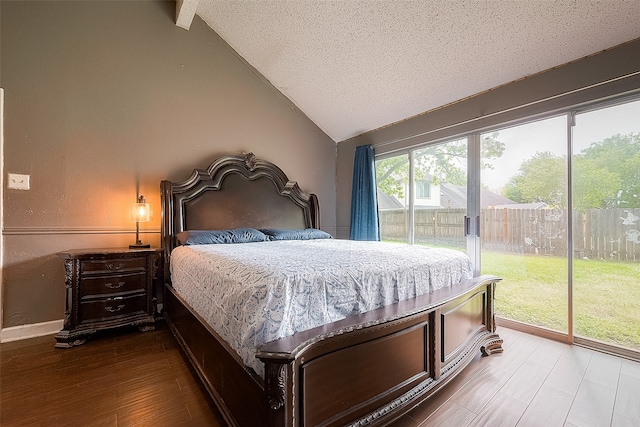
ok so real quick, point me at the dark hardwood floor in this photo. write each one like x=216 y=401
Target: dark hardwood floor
x=118 y=378
x=127 y=378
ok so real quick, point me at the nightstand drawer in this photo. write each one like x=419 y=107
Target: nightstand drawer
x=97 y=310
x=104 y=285
x=118 y=265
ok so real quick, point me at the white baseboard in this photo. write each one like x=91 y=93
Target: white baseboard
x=22 y=332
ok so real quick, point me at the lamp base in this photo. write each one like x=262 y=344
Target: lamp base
x=139 y=246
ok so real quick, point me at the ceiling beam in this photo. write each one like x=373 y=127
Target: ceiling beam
x=185 y=11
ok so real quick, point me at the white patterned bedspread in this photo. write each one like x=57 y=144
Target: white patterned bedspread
x=252 y=293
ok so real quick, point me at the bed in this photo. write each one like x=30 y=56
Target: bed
x=362 y=363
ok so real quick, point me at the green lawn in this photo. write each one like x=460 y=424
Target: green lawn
x=534 y=290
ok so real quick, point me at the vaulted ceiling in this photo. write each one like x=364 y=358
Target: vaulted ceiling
x=357 y=65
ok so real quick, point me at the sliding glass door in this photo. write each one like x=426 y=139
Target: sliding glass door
x=392 y=179
x=440 y=196
x=523 y=222
x=606 y=225
x=422 y=195
x=557 y=205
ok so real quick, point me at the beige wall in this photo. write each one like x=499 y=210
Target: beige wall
x=105 y=98
x=609 y=73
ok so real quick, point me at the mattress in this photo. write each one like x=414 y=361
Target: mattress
x=252 y=293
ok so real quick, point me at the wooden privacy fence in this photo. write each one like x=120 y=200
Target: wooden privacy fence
x=610 y=234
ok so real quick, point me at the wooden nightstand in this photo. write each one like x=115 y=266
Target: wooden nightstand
x=108 y=288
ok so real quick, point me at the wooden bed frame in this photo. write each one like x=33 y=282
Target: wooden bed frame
x=367 y=369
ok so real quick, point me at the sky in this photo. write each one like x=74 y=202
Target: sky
x=522 y=142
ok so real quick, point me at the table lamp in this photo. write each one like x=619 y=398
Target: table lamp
x=140 y=213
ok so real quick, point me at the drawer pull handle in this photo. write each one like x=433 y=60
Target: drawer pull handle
x=113 y=310
x=116 y=286
x=115 y=266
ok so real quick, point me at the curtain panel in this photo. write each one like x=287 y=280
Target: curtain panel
x=364 y=204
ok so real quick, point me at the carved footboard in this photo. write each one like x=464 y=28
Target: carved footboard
x=372 y=368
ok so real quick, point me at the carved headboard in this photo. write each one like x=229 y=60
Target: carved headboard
x=234 y=191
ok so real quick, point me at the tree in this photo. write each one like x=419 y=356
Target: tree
x=605 y=174
x=593 y=186
x=445 y=162
x=392 y=175
x=542 y=178
x=629 y=196
x=619 y=155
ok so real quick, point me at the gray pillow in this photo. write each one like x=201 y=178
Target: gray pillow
x=304 y=234
x=207 y=237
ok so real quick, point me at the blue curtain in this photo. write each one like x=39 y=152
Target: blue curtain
x=364 y=203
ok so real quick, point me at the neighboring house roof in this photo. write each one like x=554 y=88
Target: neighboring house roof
x=454 y=197
x=387 y=202
x=490 y=199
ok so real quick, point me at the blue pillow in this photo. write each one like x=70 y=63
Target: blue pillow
x=207 y=237
x=306 y=234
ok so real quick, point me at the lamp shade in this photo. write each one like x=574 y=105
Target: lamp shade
x=140 y=211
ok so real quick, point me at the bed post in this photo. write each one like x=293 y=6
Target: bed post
x=279 y=388
x=315 y=211
x=166 y=228
x=494 y=345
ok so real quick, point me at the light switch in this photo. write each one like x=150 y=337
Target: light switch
x=18 y=181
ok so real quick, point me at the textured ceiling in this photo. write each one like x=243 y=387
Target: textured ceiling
x=353 y=66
